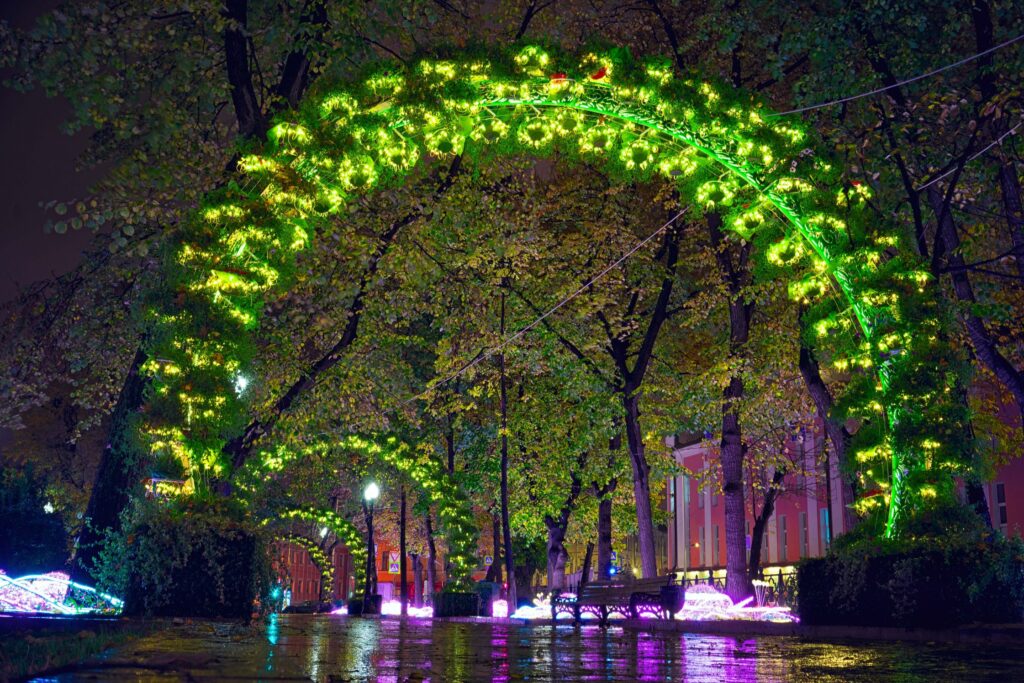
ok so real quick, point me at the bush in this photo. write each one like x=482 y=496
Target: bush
x=968 y=575
x=199 y=558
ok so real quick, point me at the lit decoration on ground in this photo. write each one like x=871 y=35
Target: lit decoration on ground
x=53 y=593
x=703 y=603
x=393 y=608
x=721 y=148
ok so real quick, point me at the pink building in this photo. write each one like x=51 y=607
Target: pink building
x=807 y=515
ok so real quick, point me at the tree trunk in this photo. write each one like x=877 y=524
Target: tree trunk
x=403 y=592
x=558 y=556
x=506 y=528
x=1009 y=186
x=417 y=580
x=761 y=523
x=604 y=537
x=641 y=483
x=494 y=571
x=734 y=276
x=236 y=58
x=431 y=556
x=984 y=345
x=118 y=476
x=839 y=438
x=737 y=585
x=587 y=560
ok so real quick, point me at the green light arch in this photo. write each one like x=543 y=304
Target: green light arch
x=316 y=556
x=341 y=527
x=634 y=118
x=432 y=481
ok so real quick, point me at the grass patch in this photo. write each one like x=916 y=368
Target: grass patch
x=28 y=649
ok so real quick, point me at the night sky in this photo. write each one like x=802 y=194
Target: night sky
x=38 y=165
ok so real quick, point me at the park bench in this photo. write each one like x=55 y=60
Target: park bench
x=657 y=596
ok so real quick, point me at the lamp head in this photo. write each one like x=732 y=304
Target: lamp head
x=372 y=492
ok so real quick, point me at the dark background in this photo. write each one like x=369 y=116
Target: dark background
x=37 y=163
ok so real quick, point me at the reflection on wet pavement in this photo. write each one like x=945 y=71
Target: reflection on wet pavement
x=321 y=648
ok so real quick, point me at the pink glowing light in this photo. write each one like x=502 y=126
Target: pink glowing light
x=52 y=593
x=703 y=603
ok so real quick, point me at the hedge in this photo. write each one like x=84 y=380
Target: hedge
x=917 y=585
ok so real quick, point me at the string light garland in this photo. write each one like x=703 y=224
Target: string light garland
x=636 y=121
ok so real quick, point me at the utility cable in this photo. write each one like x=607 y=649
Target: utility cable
x=876 y=91
x=484 y=354
x=974 y=156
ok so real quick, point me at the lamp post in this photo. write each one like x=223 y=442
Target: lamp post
x=370 y=495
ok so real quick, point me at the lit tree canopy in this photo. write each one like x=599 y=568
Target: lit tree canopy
x=634 y=118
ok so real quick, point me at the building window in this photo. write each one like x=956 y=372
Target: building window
x=671 y=496
x=686 y=492
x=803 y=534
x=783 y=539
x=1001 y=505
x=715 y=551
x=701 y=545
x=700 y=498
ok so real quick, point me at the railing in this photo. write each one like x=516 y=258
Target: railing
x=777 y=589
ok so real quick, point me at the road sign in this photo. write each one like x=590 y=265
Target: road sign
x=488 y=560
x=394 y=565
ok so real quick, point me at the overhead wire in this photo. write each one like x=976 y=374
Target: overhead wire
x=971 y=158
x=486 y=353
x=898 y=84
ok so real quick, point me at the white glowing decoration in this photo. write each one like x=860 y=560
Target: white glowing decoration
x=53 y=593
x=703 y=603
x=241 y=384
x=48 y=508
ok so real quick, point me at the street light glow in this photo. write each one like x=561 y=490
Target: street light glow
x=372 y=492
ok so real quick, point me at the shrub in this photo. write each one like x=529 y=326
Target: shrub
x=191 y=557
x=969 y=574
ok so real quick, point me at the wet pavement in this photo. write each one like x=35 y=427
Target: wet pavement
x=339 y=648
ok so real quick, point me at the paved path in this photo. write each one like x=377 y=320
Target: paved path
x=324 y=648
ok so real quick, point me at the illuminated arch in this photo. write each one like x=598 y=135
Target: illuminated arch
x=316 y=556
x=341 y=527
x=454 y=512
x=637 y=120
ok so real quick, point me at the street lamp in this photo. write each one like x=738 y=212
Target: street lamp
x=370 y=494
